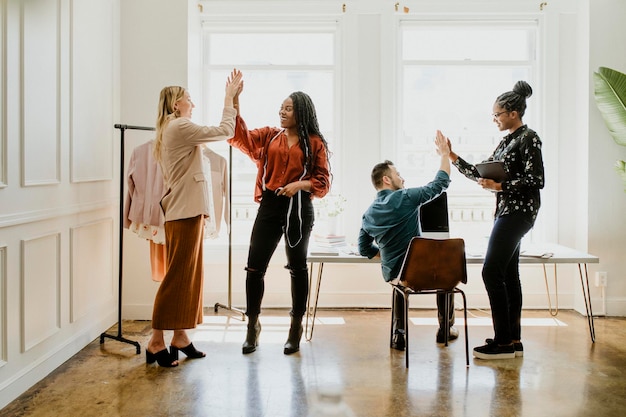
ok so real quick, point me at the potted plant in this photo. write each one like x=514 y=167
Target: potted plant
x=331 y=207
x=610 y=95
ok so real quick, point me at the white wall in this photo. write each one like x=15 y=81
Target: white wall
x=607 y=198
x=153 y=55
x=367 y=117
x=58 y=189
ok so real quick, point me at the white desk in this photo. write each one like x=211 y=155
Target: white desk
x=560 y=255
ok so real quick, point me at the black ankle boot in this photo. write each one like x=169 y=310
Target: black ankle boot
x=252 y=337
x=295 y=334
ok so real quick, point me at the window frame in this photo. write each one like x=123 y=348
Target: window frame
x=460 y=211
x=349 y=57
x=243 y=205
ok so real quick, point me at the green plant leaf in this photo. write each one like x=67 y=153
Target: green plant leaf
x=610 y=95
x=620 y=167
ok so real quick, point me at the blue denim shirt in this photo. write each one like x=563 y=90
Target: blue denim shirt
x=392 y=220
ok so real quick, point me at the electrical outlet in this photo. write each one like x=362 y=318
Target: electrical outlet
x=601 y=279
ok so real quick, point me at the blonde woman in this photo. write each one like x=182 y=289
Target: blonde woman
x=178 y=148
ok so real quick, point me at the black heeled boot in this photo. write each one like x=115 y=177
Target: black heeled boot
x=398 y=339
x=295 y=334
x=252 y=337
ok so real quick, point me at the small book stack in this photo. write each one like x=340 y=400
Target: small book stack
x=330 y=241
x=325 y=245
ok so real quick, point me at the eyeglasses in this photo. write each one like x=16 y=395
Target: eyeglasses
x=496 y=115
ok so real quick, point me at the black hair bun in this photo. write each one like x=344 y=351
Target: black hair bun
x=523 y=89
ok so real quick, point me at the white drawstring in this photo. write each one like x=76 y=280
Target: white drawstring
x=266 y=158
x=299 y=194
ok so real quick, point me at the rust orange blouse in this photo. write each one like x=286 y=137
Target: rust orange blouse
x=279 y=165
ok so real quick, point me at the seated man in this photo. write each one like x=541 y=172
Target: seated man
x=390 y=223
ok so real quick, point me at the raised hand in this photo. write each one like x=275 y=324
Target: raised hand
x=443 y=144
x=234 y=83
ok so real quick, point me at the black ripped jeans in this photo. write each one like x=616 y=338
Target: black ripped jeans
x=277 y=217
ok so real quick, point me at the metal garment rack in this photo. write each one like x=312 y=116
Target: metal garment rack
x=229 y=306
x=119 y=336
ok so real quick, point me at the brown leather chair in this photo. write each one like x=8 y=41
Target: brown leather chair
x=433 y=266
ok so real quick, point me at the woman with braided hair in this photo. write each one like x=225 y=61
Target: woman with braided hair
x=517 y=204
x=293 y=168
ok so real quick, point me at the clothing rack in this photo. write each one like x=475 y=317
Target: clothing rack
x=229 y=306
x=119 y=336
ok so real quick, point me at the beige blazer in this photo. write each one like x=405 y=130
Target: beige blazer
x=187 y=193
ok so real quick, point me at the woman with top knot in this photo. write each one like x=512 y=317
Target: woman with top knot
x=517 y=205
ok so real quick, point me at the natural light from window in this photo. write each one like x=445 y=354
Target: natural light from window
x=451 y=74
x=275 y=63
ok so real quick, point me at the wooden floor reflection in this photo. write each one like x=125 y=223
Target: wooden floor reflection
x=561 y=374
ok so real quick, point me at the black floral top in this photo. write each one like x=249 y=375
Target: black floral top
x=521 y=153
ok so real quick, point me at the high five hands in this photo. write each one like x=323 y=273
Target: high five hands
x=234 y=83
x=443 y=144
x=486 y=183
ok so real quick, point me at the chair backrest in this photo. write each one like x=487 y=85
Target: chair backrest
x=433 y=216
x=434 y=264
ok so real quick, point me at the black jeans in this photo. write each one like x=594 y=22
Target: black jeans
x=277 y=217
x=398 y=313
x=501 y=275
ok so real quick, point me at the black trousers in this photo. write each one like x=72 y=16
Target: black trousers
x=278 y=217
x=501 y=275
x=398 y=313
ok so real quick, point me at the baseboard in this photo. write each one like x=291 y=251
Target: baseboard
x=18 y=383
x=616 y=306
x=536 y=301
x=137 y=312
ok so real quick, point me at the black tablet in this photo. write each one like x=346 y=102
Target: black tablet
x=493 y=170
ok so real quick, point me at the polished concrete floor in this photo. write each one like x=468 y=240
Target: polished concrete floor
x=561 y=374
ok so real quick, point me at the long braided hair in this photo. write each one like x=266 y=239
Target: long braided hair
x=515 y=100
x=165 y=113
x=306 y=119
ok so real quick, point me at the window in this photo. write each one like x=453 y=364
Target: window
x=276 y=59
x=450 y=76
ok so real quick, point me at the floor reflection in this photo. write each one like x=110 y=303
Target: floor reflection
x=561 y=374
x=505 y=394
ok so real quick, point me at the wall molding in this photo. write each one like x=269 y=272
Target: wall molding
x=3 y=306
x=43 y=321
x=17 y=383
x=40 y=50
x=3 y=96
x=25 y=217
x=91 y=132
x=91 y=275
